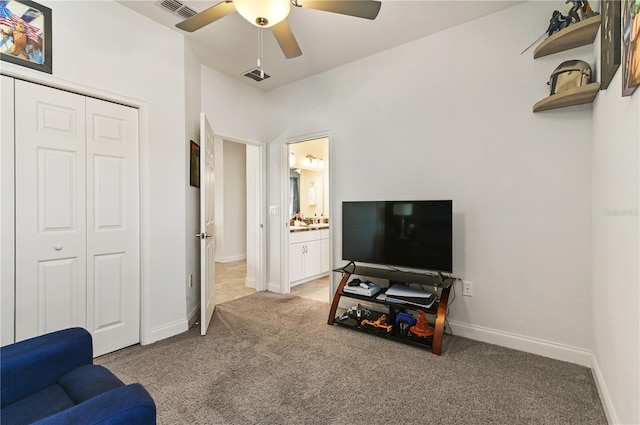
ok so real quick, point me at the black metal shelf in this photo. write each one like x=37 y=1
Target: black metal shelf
x=441 y=284
x=435 y=280
x=413 y=340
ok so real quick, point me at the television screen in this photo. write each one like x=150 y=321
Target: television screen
x=412 y=234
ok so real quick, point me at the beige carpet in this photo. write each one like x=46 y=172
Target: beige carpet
x=272 y=359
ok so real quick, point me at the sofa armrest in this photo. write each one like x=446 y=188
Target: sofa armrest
x=33 y=364
x=130 y=404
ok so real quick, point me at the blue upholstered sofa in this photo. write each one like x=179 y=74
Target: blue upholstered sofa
x=51 y=379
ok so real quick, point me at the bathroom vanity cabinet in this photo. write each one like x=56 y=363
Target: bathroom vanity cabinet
x=308 y=254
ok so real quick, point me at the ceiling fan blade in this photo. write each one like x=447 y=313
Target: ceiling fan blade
x=367 y=9
x=207 y=16
x=286 y=40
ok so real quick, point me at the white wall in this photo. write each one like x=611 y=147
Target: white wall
x=253 y=204
x=449 y=117
x=235 y=110
x=616 y=251
x=129 y=56
x=234 y=245
x=192 y=204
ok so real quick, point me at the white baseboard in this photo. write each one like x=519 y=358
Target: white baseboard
x=250 y=282
x=309 y=279
x=170 y=329
x=194 y=316
x=231 y=258
x=603 y=392
x=274 y=287
x=541 y=347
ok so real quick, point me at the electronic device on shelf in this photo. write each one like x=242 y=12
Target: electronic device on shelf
x=413 y=234
x=355 y=282
x=367 y=289
x=399 y=294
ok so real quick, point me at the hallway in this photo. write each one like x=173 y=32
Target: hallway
x=230 y=284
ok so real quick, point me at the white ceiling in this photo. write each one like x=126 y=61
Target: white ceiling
x=327 y=40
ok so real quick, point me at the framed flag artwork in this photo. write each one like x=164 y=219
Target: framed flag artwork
x=25 y=34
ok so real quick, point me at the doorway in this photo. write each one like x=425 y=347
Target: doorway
x=238 y=221
x=307 y=235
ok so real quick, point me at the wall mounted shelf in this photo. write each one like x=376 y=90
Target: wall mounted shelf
x=575 y=96
x=576 y=35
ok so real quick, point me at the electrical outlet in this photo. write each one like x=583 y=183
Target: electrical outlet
x=190 y=281
x=273 y=209
x=467 y=288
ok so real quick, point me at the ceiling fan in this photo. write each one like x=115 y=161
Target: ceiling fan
x=272 y=14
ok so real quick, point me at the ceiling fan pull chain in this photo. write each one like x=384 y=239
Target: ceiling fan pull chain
x=261 y=54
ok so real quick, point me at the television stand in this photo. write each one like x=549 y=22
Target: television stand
x=437 y=309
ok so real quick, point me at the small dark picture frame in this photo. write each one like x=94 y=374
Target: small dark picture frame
x=194 y=160
x=25 y=37
x=609 y=41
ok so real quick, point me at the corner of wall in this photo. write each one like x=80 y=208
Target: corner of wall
x=603 y=392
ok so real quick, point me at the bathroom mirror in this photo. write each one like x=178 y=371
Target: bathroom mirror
x=308 y=180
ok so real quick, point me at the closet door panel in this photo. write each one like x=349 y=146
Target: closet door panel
x=57 y=294
x=57 y=191
x=50 y=197
x=113 y=231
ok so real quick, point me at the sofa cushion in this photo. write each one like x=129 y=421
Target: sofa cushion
x=126 y=405
x=34 y=364
x=42 y=404
x=88 y=381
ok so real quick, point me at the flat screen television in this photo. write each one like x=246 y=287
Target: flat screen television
x=411 y=234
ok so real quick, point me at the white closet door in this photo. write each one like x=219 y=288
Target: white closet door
x=50 y=204
x=77 y=221
x=113 y=234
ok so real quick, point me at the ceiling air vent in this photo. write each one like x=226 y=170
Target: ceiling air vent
x=178 y=8
x=186 y=12
x=254 y=74
x=171 y=5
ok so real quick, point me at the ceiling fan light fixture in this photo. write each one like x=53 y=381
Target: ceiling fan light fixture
x=263 y=13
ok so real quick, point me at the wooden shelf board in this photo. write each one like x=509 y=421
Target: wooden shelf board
x=576 y=35
x=575 y=96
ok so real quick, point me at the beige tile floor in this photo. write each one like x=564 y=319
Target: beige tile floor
x=230 y=284
x=315 y=290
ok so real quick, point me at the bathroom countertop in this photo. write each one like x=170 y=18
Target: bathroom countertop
x=308 y=227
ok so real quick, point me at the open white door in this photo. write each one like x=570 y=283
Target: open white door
x=207 y=222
